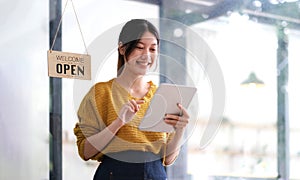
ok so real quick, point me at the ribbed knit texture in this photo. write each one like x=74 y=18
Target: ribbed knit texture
x=99 y=108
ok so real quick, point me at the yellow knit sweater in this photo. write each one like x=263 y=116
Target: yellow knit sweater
x=99 y=108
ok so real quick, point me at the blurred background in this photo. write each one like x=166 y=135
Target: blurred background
x=255 y=43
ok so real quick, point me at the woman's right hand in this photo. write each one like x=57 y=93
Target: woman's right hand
x=129 y=109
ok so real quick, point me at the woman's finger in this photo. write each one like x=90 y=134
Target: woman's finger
x=172 y=117
x=136 y=104
x=176 y=120
x=176 y=124
x=183 y=110
x=140 y=101
x=130 y=107
x=171 y=122
x=180 y=124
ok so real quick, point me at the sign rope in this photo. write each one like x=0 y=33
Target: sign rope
x=59 y=24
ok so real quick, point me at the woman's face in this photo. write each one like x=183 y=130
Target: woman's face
x=144 y=54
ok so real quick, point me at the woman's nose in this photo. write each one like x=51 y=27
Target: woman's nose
x=146 y=55
x=146 y=51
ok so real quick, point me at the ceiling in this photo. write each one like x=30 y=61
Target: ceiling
x=264 y=11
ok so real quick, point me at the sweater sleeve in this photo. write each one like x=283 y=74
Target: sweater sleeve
x=89 y=122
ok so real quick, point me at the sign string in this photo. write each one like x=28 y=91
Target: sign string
x=59 y=24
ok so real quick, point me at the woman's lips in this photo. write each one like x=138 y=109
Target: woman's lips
x=144 y=63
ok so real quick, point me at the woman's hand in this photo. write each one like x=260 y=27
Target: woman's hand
x=178 y=121
x=129 y=109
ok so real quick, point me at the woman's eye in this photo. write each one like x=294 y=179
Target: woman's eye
x=153 y=49
x=138 y=47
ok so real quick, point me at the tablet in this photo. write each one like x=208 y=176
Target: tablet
x=164 y=102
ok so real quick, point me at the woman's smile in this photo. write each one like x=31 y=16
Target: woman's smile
x=144 y=63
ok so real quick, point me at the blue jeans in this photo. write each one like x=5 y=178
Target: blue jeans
x=114 y=169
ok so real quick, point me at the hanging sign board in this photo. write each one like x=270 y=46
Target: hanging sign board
x=69 y=65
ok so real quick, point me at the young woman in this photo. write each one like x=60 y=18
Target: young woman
x=110 y=113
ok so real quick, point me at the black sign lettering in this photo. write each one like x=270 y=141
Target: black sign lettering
x=73 y=69
x=66 y=67
x=81 y=70
x=59 y=68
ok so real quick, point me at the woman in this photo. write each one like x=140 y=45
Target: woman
x=110 y=113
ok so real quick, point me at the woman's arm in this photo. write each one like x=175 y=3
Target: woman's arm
x=97 y=142
x=179 y=123
x=173 y=148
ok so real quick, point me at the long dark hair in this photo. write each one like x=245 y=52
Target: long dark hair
x=130 y=35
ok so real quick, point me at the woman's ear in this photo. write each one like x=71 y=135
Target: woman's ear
x=121 y=48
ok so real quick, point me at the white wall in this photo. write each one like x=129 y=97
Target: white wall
x=24 y=90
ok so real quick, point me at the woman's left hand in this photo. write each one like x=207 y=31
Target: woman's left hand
x=178 y=121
